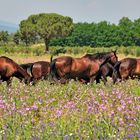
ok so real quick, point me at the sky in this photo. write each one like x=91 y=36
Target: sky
x=79 y=10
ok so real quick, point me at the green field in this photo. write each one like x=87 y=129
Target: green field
x=73 y=111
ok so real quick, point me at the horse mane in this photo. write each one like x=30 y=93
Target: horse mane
x=97 y=55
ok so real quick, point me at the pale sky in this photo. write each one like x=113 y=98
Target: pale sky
x=79 y=10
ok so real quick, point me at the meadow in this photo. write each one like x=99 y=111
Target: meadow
x=73 y=111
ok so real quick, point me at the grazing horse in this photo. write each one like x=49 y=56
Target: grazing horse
x=125 y=68
x=84 y=68
x=38 y=70
x=9 y=69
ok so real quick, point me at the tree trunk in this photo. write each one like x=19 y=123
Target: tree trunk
x=46 y=44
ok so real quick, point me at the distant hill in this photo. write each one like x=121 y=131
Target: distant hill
x=7 y=26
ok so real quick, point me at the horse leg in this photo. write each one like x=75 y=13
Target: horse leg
x=65 y=78
x=115 y=76
x=0 y=79
x=63 y=81
x=9 y=82
x=83 y=81
x=92 y=79
x=104 y=79
x=34 y=81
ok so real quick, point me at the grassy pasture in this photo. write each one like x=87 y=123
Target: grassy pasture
x=73 y=111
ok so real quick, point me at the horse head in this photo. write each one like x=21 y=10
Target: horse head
x=113 y=57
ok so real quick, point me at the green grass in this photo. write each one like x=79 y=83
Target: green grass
x=71 y=111
x=39 y=50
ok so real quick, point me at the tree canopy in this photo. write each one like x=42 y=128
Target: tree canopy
x=45 y=26
x=126 y=33
x=57 y=30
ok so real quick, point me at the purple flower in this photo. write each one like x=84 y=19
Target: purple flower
x=27 y=109
x=58 y=113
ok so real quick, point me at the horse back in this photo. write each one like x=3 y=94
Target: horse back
x=8 y=66
x=128 y=63
x=40 y=69
x=63 y=65
x=127 y=67
x=79 y=65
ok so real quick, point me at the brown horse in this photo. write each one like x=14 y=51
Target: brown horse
x=125 y=68
x=9 y=69
x=105 y=71
x=38 y=70
x=84 y=68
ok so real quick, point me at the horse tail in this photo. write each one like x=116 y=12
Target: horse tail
x=53 y=70
x=51 y=59
x=116 y=73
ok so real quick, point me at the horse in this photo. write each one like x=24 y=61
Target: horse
x=105 y=71
x=9 y=69
x=38 y=70
x=84 y=68
x=125 y=68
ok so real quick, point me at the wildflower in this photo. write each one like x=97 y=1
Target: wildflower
x=58 y=113
x=121 y=121
x=27 y=108
x=103 y=107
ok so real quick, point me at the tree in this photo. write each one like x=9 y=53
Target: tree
x=16 y=37
x=126 y=35
x=136 y=30
x=4 y=37
x=28 y=31
x=47 y=26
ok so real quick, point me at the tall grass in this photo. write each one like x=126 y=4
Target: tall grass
x=38 y=50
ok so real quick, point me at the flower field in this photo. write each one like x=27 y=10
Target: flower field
x=73 y=111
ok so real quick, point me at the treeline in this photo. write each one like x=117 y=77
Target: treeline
x=125 y=33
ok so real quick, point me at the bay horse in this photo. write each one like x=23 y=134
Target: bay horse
x=84 y=68
x=9 y=69
x=105 y=71
x=38 y=70
x=125 y=68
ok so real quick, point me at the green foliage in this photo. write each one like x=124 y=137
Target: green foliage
x=17 y=38
x=56 y=50
x=45 y=26
x=4 y=37
x=57 y=30
x=103 y=34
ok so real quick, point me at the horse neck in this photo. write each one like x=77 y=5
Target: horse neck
x=103 y=61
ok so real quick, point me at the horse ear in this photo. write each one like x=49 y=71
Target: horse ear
x=115 y=51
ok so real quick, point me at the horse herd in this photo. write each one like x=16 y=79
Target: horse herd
x=87 y=69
